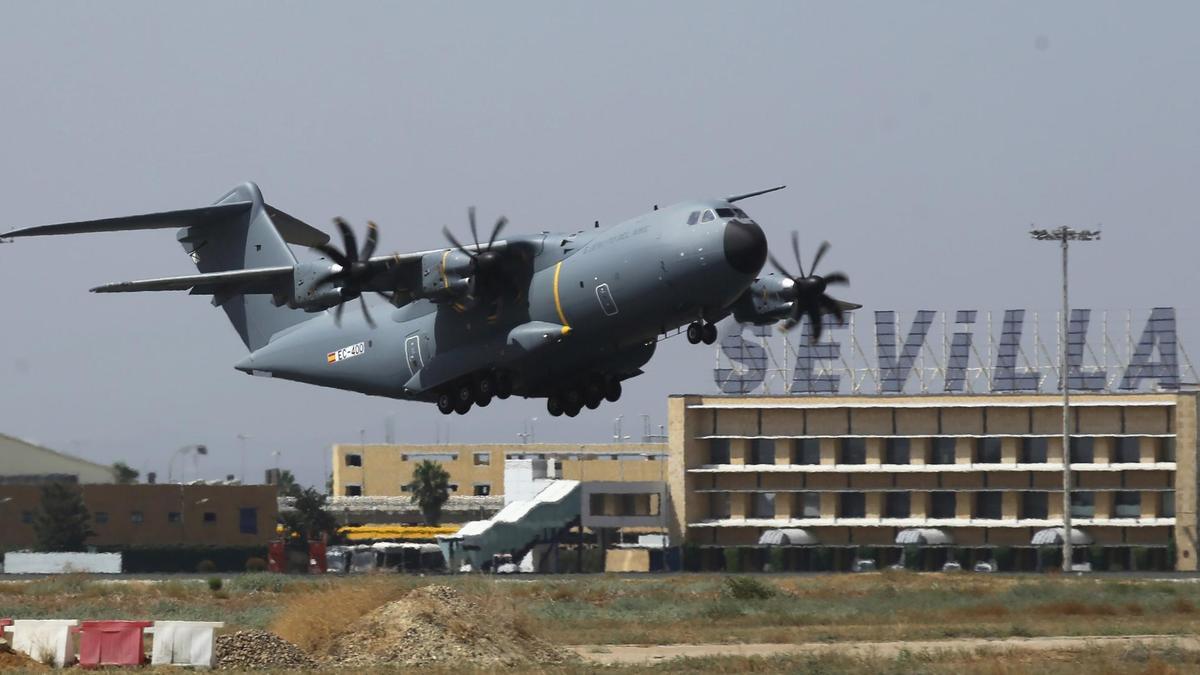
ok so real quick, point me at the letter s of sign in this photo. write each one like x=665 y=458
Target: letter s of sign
x=751 y=357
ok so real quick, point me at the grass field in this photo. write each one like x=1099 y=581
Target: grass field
x=610 y=610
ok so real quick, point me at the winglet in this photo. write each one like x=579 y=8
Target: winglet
x=738 y=198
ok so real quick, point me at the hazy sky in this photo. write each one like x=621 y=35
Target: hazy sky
x=922 y=139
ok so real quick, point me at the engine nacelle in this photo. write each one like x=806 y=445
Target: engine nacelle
x=768 y=300
x=446 y=276
x=305 y=293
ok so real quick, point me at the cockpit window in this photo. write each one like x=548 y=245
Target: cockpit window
x=695 y=216
x=708 y=215
x=724 y=213
x=741 y=214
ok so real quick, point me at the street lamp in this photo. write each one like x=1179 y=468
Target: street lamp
x=199 y=449
x=1064 y=235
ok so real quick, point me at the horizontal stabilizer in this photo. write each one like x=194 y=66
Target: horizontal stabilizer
x=261 y=280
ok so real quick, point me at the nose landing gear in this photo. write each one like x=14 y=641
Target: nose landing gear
x=699 y=331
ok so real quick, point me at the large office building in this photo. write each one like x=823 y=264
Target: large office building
x=967 y=474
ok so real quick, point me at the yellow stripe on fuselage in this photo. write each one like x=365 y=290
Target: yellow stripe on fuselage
x=562 y=318
x=445 y=281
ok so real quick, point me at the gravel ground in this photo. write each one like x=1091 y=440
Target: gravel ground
x=254 y=649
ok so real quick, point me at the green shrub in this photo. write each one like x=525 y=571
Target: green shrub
x=733 y=559
x=260 y=582
x=256 y=565
x=214 y=584
x=748 y=588
x=206 y=566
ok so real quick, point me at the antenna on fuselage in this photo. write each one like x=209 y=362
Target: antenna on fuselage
x=738 y=198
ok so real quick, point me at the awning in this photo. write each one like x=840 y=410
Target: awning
x=1054 y=535
x=787 y=537
x=924 y=536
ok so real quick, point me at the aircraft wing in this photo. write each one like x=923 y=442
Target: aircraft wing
x=261 y=280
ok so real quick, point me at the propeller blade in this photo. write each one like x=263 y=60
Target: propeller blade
x=814 y=319
x=832 y=307
x=778 y=266
x=820 y=254
x=348 y=239
x=796 y=250
x=457 y=245
x=836 y=278
x=366 y=312
x=500 y=223
x=474 y=232
x=333 y=254
x=372 y=241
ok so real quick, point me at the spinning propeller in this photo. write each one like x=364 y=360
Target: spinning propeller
x=809 y=290
x=355 y=272
x=487 y=265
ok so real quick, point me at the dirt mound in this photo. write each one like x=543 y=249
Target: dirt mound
x=252 y=649
x=10 y=660
x=437 y=625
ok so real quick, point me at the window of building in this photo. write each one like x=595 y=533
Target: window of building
x=1127 y=450
x=763 y=505
x=897 y=451
x=708 y=215
x=483 y=490
x=453 y=487
x=137 y=517
x=27 y=517
x=174 y=517
x=210 y=518
x=1033 y=450
x=693 y=217
x=354 y=460
x=808 y=451
x=1127 y=505
x=943 y=505
x=762 y=451
x=483 y=459
x=1166 y=504
x=1083 y=504
x=353 y=490
x=1166 y=449
x=1035 y=505
x=809 y=503
x=430 y=456
x=101 y=517
x=1083 y=450
x=719 y=505
x=852 y=451
x=987 y=451
x=943 y=451
x=989 y=505
x=852 y=505
x=248 y=520
x=897 y=505
x=718 y=451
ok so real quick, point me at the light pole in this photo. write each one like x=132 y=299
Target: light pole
x=1064 y=235
x=242 y=438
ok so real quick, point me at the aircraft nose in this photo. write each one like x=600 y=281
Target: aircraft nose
x=745 y=246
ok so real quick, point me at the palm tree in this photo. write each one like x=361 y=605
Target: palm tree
x=430 y=489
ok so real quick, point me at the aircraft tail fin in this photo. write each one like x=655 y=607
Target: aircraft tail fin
x=249 y=238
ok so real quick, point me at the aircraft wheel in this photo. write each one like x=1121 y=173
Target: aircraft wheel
x=573 y=410
x=462 y=407
x=485 y=389
x=572 y=400
x=593 y=395
x=613 y=391
x=695 y=332
x=554 y=405
x=483 y=402
x=503 y=385
x=445 y=403
x=709 y=333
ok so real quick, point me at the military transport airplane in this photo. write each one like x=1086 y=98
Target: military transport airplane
x=567 y=317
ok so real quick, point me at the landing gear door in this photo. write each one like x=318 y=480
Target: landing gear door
x=412 y=353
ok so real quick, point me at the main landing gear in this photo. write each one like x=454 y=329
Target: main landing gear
x=478 y=390
x=591 y=393
x=699 y=331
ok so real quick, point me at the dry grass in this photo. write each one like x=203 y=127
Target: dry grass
x=311 y=617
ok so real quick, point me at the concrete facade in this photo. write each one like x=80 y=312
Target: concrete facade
x=985 y=469
x=378 y=470
x=21 y=460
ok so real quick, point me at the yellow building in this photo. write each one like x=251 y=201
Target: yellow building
x=378 y=470
x=847 y=473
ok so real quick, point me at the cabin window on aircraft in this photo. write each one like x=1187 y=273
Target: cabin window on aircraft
x=693 y=217
x=708 y=215
x=725 y=213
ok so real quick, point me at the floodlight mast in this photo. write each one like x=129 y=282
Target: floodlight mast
x=1063 y=235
